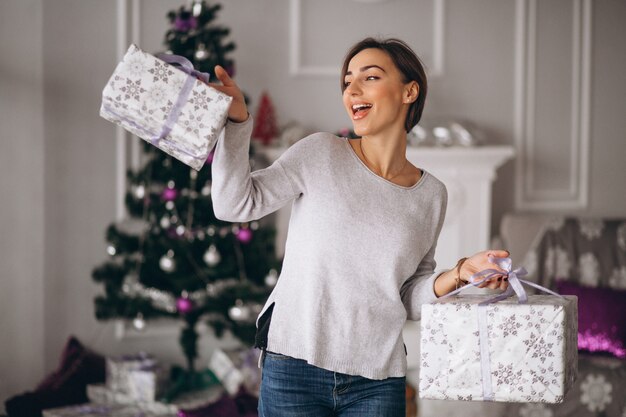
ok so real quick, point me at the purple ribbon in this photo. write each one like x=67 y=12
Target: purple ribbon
x=515 y=287
x=187 y=67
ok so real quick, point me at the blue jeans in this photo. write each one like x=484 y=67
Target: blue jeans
x=292 y=388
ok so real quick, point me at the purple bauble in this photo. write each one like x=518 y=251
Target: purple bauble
x=209 y=158
x=169 y=194
x=184 y=24
x=184 y=305
x=244 y=235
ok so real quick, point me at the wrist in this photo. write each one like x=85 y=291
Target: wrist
x=239 y=118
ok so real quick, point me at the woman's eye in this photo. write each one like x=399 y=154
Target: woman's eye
x=372 y=77
x=346 y=83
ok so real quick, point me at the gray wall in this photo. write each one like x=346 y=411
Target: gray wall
x=58 y=158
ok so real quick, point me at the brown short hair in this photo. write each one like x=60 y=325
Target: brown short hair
x=406 y=61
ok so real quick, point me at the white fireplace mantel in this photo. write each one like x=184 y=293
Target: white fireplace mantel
x=467 y=172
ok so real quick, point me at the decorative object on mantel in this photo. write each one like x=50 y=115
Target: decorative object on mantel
x=446 y=132
x=265 y=127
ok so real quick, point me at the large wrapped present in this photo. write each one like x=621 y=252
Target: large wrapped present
x=110 y=410
x=477 y=347
x=118 y=370
x=237 y=368
x=166 y=105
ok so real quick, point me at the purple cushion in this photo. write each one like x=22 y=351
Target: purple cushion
x=601 y=318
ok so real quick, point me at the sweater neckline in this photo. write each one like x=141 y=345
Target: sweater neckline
x=351 y=150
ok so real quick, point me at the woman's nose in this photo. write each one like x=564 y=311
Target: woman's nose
x=353 y=89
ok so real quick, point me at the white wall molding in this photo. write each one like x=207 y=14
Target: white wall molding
x=576 y=194
x=296 y=68
x=128 y=147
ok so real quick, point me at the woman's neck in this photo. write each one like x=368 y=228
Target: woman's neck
x=385 y=153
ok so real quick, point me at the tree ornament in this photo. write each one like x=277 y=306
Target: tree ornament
x=206 y=190
x=211 y=231
x=239 y=312
x=183 y=304
x=244 y=235
x=180 y=230
x=201 y=53
x=139 y=191
x=271 y=278
x=212 y=256
x=197 y=8
x=169 y=194
x=170 y=205
x=254 y=225
x=167 y=262
x=111 y=250
x=139 y=323
x=165 y=222
x=209 y=158
x=265 y=127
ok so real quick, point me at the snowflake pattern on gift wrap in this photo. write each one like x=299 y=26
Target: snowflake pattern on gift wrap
x=135 y=65
x=589 y=269
x=535 y=410
x=617 y=279
x=199 y=101
x=542 y=350
x=158 y=94
x=192 y=123
x=510 y=326
x=557 y=263
x=596 y=392
x=161 y=72
x=591 y=228
x=132 y=89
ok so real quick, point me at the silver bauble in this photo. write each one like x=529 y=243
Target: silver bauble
x=111 y=250
x=212 y=256
x=139 y=323
x=271 y=278
x=167 y=262
x=239 y=312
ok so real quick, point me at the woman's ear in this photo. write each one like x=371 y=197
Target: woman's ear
x=411 y=92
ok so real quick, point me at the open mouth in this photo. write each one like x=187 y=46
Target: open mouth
x=360 y=110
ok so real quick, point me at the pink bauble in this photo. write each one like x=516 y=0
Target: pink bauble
x=209 y=158
x=169 y=194
x=184 y=305
x=244 y=235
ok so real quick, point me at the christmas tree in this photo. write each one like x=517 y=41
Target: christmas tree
x=172 y=257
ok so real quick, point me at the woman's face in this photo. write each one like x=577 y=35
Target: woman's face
x=375 y=97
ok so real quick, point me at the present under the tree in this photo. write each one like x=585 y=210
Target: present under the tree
x=236 y=368
x=101 y=395
x=148 y=383
x=100 y=410
x=166 y=105
x=509 y=349
x=118 y=370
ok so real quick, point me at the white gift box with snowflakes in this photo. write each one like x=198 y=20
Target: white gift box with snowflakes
x=504 y=351
x=166 y=105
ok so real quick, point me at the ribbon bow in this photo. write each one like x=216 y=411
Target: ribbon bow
x=515 y=283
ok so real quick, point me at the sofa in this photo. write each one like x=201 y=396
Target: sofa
x=571 y=255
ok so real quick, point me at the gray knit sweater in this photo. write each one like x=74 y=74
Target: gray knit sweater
x=359 y=256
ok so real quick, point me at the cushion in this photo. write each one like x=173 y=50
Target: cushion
x=601 y=313
x=78 y=366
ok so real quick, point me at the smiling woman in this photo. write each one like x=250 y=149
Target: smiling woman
x=359 y=257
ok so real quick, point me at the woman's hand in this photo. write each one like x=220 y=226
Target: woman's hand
x=447 y=282
x=480 y=261
x=238 y=111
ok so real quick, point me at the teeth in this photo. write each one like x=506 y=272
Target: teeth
x=358 y=107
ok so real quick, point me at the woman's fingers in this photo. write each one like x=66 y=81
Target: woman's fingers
x=223 y=76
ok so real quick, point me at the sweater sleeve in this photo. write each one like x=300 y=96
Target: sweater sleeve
x=239 y=195
x=420 y=287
